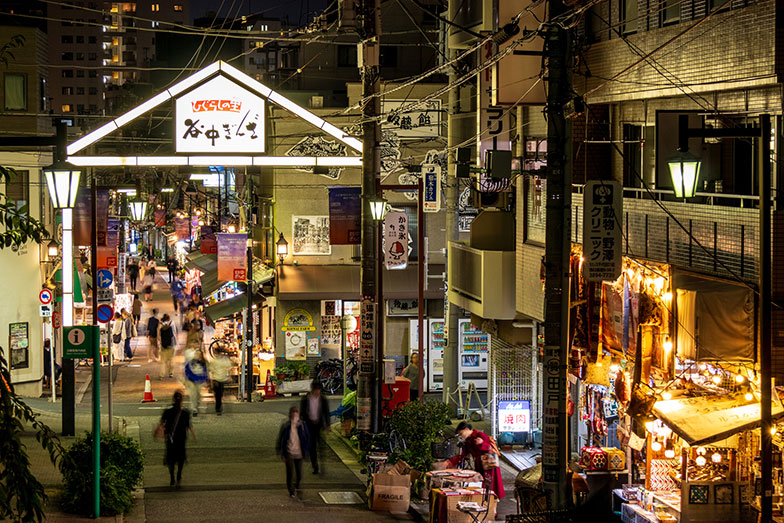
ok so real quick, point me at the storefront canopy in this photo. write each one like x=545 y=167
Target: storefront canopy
x=207 y=264
x=204 y=262
x=226 y=308
x=701 y=420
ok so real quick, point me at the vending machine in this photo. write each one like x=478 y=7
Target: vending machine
x=474 y=351
x=435 y=368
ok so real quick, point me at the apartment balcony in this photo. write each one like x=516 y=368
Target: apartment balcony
x=482 y=282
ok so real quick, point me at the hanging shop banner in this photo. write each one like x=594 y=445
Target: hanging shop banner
x=182 y=228
x=602 y=213
x=113 y=232
x=160 y=217
x=410 y=121
x=220 y=117
x=367 y=336
x=82 y=219
x=209 y=242
x=345 y=220
x=396 y=240
x=330 y=332
x=232 y=257
x=431 y=174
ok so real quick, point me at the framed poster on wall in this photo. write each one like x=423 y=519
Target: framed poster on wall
x=311 y=235
x=19 y=345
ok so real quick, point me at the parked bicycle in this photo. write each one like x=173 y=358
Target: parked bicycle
x=330 y=375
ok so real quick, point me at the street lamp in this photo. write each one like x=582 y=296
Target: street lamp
x=138 y=209
x=53 y=249
x=282 y=248
x=378 y=209
x=685 y=173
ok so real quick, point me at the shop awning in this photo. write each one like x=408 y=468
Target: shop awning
x=701 y=420
x=207 y=264
x=341 y=282
x=228 y=307
x=204 y=262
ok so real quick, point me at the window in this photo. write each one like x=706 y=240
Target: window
x=79 y=39
x=80 y=56
x=66 y=56
x=178 y=7
x=347 y=56
x=67 y=91
x=66 y=39
x=80 y=108
x=80 y=73
x=15 y=92
x=155 y=7
x=91 y=40
x=17 y=189
x=66 y=73
x=42 y=93
x=80 y=91
x=92 y=56
x=93 y=73
x=629 y=13
x=388 y=56
x=93 y=90
x=65 y=108
x=715 y=5
x=155 y=24
x=93 y=108
x=671 y=12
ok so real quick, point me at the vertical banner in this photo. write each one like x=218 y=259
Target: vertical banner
x=367 y=335
x=82 y=218
x=602 y=245
x=107 y=257
x=182 y=228
x=160 y=217
x=345 y=222
x=209 y=243
x=102 y=210
x=554 y=396
x=232 y=256
x=396 y=240
x=431 y=174
x=122 y=264
x=113 y=232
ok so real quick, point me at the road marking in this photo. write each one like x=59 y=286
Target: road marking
x=153 y=408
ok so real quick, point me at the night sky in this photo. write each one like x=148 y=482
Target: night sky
x=295 y=10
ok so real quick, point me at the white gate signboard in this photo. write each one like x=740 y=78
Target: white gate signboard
x=220 y=117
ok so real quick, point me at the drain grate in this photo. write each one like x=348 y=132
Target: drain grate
x=341 y=498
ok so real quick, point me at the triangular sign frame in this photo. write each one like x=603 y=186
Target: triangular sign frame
x=193 y=81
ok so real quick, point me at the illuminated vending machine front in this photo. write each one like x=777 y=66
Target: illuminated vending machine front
x=435 y=368
x=474 y=350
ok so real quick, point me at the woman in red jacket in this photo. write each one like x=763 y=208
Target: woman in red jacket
x=476 y=444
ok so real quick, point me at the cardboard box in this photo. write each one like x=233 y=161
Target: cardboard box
x=390 y=493
x=443 y=509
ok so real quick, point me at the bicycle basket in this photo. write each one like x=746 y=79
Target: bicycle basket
x=442 y=450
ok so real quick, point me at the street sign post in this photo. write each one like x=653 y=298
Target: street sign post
x=45 y=311
x=78 y=342
x=105 y=295
x=104 y=313
x=45 y=297
x=104 y=279
x=57 y=320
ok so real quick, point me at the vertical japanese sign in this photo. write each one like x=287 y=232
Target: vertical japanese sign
x=494 y=120
x=122 y=265
x=367 y=323
x=82 y=218
x=431 y=174
x=345 y=222
x=209 y=243
x=160 y=217
x=232 y=257
x=220 y=117
x=554 y=399
x=396 y=240
x=182 y=228
x=102 y=210
x=602 y=245
x=113 y=232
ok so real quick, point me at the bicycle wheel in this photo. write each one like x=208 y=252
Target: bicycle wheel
x=331 y=380
x=396 y=443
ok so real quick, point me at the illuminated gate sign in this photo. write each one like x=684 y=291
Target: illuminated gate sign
x=220 y=117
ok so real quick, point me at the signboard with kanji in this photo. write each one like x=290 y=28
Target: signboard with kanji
x=367 y=321
x=220 y=117
x=409 y=120
x=396 y=240
x=431 y=199
x=232 y=257
x=602 y=242
x=514 y=416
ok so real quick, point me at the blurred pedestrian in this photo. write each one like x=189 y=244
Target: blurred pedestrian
x=152 y=337
x=195 y=376
x=219 y=368
x=118 y=337
x=315 y=412
x=412 y=373
x=129 y=329
x=174 y=426
x=292 y=446
x=133 y=273
x=167 y=333
x=172 y=265
x=147 y=283
x=136 y=309
x=177 y=294
x=48 y=364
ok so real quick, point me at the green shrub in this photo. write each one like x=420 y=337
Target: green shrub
x=122 y=465
x=420 y=424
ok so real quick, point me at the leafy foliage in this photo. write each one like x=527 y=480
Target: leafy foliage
x=22 y=496
x=420 y=424
x=122 y=465
x=6 y=50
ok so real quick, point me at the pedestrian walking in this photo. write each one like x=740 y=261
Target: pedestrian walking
x=195 y=336
x=177 y=294
x=168 y=336
x=172 y=265
x=152 y=337
x=118 y=337
x=147 y=283
x=315 y=411
x=219 y=368
x=174 y=427
x=195 y=376
x=129 y=329
x=48 y=364
x=133 y=273
x=292 y=446
x=411 y=372
x=136 y=309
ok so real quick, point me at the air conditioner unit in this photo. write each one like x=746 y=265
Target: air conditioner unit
x=316 y=102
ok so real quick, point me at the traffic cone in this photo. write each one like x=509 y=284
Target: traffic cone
x=269 y=387
x=147 y=390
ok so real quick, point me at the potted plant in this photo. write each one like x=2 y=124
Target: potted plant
x=420 y=425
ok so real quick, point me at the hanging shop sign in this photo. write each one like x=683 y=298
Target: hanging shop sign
x=182 y=228
x=298 y=320
x=107 y=257
x=514 y=416
x=367 y=335
x=122 y=266
x=396 y=240
x=402 y=307
x=602 y=212
x=220 y=116
x=431 y=174
x=160 y=217
x=412 y=120
x=345 y=222
x=209 y=242
x=232 y=257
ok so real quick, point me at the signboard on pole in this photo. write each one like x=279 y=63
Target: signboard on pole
x=554 y=393
x=345 y=222
x=104 y=279
x=78 y=341
x=602 y=244
x=396 y=240
x=45 y=311
x=367 y=336
x=107 y=256
x=182 y=228
x=45 y=296
x=104 y=313
x=232 y=257
x=431 y=174
x=209 y=243
x=122 y=264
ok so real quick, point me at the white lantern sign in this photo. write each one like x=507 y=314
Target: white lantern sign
x=220 y=117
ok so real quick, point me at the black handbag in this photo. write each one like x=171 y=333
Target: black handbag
x=116 y=338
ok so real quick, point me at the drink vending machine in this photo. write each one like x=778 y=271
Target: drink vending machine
x=474 y=350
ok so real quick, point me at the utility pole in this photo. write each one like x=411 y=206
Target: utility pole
x=555 y=449
x=368 y=406
x=249 y=292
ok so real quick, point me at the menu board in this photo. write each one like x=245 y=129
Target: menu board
x=19 y=345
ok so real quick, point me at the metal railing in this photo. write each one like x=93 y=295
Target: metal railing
x=700 y=198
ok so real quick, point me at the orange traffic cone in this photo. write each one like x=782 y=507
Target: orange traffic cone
x=147 y=390
x=269 y=387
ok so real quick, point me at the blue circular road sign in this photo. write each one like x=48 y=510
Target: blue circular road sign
x=104 y=313
x=104 y=279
